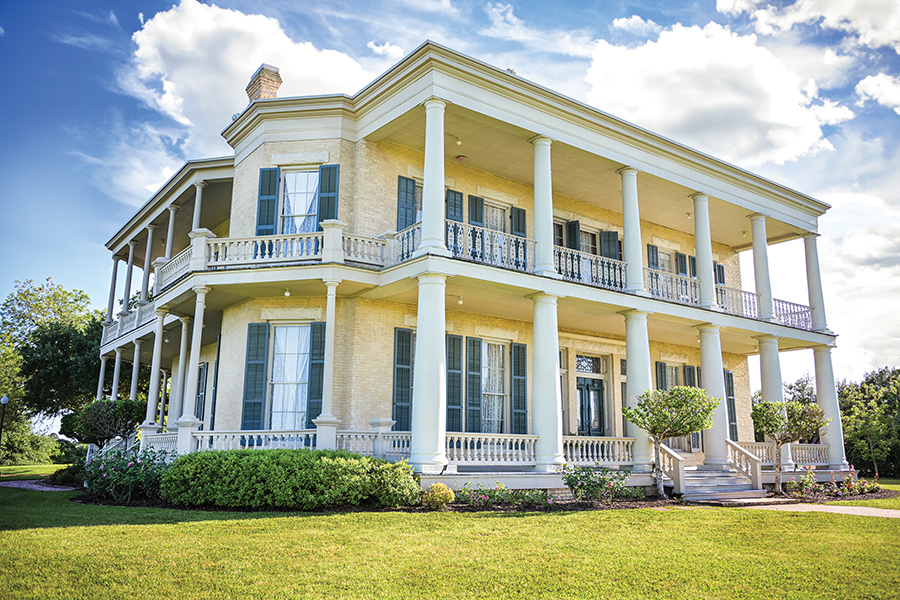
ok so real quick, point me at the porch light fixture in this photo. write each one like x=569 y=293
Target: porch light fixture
x=689 y=216
x=459 y=300
x=743 y=234
x=462 y=158
x=287 y=292
x=458 y=142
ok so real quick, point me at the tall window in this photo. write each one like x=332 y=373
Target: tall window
x=290 y=372
x=300 y=203
x=588 y=242
x=494 y=386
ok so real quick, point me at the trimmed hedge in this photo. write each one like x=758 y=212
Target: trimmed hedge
x=287 y=479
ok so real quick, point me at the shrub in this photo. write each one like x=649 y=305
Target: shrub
x=73 y=475
x=70 y=453
x=287 y=479
x=500 y=495
x=588 y=484
x=437 y=496
x=122 y=475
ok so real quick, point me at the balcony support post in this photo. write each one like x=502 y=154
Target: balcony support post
x=198 y=198
x=155 y=370
x=199 y=248
x=761 y=267
x=547 y=399
x=715 y=446
x=145 y=280
x=433 y=182
x=543 y=207
x=332 y=243
x=177 y=392
x=126 y=295
x=637 y=354
x=703 y=242
x=772 y=384
x=326 y=423
x=826 y=394
x=163 y=396
x=100 y=382
x=135 y=369
x=111 y=305
x=117 y=370
x=631 y=224
x=170 y=236
x=188 y=421
x=814 y=284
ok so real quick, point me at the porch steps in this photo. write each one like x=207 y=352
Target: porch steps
x=705 y=486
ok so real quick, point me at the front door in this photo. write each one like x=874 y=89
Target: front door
x=590 y=406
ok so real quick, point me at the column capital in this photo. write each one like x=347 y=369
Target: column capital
x=432 y=277
x=822 y=349
x=626 y=170
x=173 y=208
x=331 y=284
x=119 y=351
x=116 y=260
x=151 y=227
x=200 y=184
x=540 y=140
x=757 y=217
x=634 y=313
x=544 y=298
x=699 y=196
x=132 y=243
x=161 y=313
x=201 y=291
x=185 y=321
x=435 y=102
x=138 y=342
x=811 y=235
x=708 y=328
x=766 y=338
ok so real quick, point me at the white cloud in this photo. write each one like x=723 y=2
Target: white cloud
x=2 y=32
x=636 y=25
x=193 y=62
x=386 y=49
x=507 y=26
x=735 y=7
x=881 y=88
x=444 y=7
x=715 y=90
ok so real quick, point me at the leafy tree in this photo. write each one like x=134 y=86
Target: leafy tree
x=21 y=446
x=675 y=412
x=785 y=423
x=102 y=420
x=871 y=413
x=802 y=390
x=32 y=305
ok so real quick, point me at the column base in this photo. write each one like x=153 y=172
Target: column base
x=642 y=467
x=548 y=466
x=435 y=250
x=637 y=291
x=430 y=463
x=326 y=432
x=714 y=465
x=844 y=466
x=551 y=273
x=147 y=429
x=711 y=306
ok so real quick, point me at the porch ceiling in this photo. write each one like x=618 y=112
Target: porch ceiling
x=497 y=147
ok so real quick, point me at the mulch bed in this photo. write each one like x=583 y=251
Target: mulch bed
x=824 y=498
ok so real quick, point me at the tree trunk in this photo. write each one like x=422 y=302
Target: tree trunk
x=660 y=491
x=778 y=489
x=872 y=454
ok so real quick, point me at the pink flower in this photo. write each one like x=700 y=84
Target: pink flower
x=129 y=464
x=101 y=467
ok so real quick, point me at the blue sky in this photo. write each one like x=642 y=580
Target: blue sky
x=103 y=100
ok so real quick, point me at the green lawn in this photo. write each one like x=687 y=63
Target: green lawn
x=28 y=472
x=52 y=548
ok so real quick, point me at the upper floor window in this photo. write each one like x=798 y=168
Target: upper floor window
x=296 y=201
x=300 y=202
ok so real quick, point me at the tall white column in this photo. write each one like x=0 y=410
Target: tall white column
x=761 y=267
x=826 y=395
x=772 y=384
x=543 y=207
x=198 y=197
x=103 y=360
x=170 y=236
x=135 y=369
x=117 y=370
x=111 y=306
x=145 y=282
x=640 y=379
x=632 y=249
x=163 y=397
x=326 y=423
x=176 y=395
x=429 y=403
x=546 y=397
x=814 y=283
x=193 y=369
x=126 y=295
x=155 y=371
x=714 y=445
x=433 y=183
x=703 y=243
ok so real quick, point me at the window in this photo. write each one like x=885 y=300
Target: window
x=558 y=235
x=300 y=202
x=588 y=364
x=494 y=218
x=289 y=400
x=589 y=242
x=493 y=386
x=665 y=262
x=296 y=201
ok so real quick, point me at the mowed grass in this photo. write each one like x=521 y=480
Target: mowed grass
x=891 y=503
x=53 y=548
x=11 y=473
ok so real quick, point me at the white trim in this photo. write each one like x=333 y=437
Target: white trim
x=300 y=158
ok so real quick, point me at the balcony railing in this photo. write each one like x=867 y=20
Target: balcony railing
x=490 y=449
x=793 y=315
x=672 y=287
x=172 y=271
x=737 y=302
x=801 y=454
x=597 y=271
x=580 y=450
x=489 y=247
x=235 y=252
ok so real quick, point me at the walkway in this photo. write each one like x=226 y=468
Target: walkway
x=861 y=511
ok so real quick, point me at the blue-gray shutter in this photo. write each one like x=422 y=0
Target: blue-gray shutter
x=690 y=376
x=519 y=388
x=316 y=373
x=518 y=221
x=732 y=409
x=454 y=383
x=406 y=203
x=681 y=263
x=403 y=362
x=455 y=206
x=720 y=273
x=573 y=235
x=661 y=383
x=267 y=204
x=473 y=385
x=476 y=211
x=652 y=256
x=329 y=176
x=609 y=244
x=518 y=228
x=692 y=260
x=215 y=384
x=699 y=379
x=200 y=404
x=255 y=375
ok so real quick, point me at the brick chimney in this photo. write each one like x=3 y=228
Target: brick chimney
x=264 y=83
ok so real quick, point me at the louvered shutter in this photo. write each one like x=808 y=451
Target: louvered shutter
x=267 y=205
x=609 y=244
x=406 y=203
x=652 y=256
x=720 y=274
x=473 y=385
x=519 y=389
x=732 y=409
x=215 y=384
x=661 y=376
x=573 y=235
x=328 y=192
x=454 y=383
x=455 y=206
x=692 y=261
x=518 y=222
x=403 y=363
x=519 y=248
x=255 y=375
x=316 y=372
x=681 y=263
x=690 y=376
x=476 y=217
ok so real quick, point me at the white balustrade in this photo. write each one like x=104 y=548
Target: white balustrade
x=486 y=246
x=764 y=451
x=581 y=267
x=793 y=315
x=672 y=287
x=146 y=313
x=672 y=465
x=173 y=270
x=167 y=442
x=490 y=449
x=396 y=444
x=233 y=252
x=583 y=450
x=406 y=242
x=737 y=302
x=365 y=250
x=745 y=462
x=260 y=440
x=360 y=442
x=110 y=332
x=127 y=322
x=809 y=454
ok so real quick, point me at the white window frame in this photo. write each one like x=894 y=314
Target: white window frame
x=284 y=191
x=506 y=404
x=270 y=374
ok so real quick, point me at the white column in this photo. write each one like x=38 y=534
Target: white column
x=135 y=369
x=176 y=395
x=714 y=445
x=703 y=243
x=193 y=369
x=126 y=295
x=772 y=384
x=826 y=395
x=170 y=236
x=429 y=403
x=632 y=248
x=198 y=197
x=543 y=208
x=326 y=423
x=111 y=306
x=103 y=360
x=814 y=284
x=640 y=379
x=433 y=184
x=145 y=282
x=117 y=369
x=155 y=371
x=761 y=267
x=163 y=396
x=546 y=421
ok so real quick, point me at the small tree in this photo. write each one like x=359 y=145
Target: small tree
x=669 y=413
x=103 y=420
x=785 y=423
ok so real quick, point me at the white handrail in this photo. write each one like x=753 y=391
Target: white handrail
x=490 y=448
x=745 y=462
x=764 y=451
x=261 y=440
x=170 y=272
x=362 y=249
x=584 y=450
x=737 y=302
x=489 y=247
x=809 y=454
x=395 y=445
x=225 y=252
x=360 y=442
x=581 y=267
x=406 y=242
x=792 y=314
x=672 y=465
x=672 y=287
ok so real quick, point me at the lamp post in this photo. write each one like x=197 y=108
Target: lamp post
x=3 y=402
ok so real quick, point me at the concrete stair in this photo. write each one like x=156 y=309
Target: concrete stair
x=707 y=486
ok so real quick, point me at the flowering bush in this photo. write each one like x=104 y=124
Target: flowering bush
x=500 y=495
x=437 y=496
x=589 y=484
x=120 y=475
x=847 y=486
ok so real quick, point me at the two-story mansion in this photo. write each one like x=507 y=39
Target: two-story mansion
x=462 y=268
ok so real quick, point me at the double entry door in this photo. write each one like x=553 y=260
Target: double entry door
x=590 y=406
